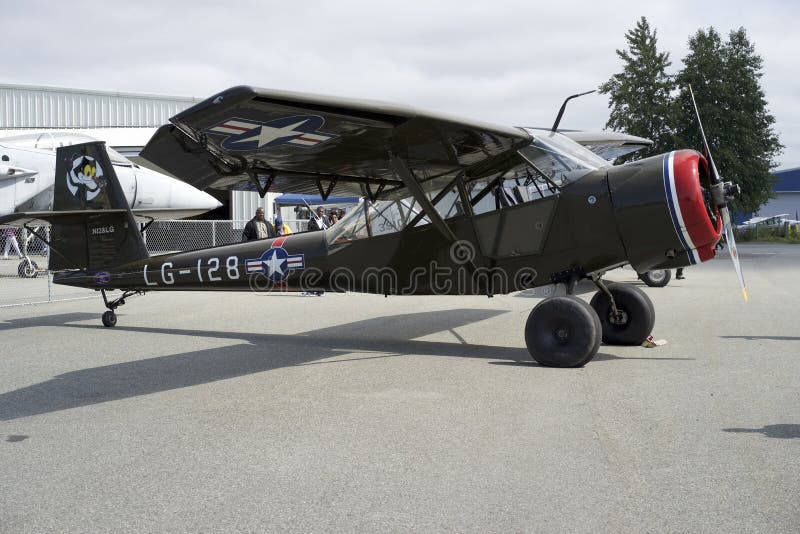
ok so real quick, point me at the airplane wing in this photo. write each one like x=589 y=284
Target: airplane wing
x=609 y=145
x=257 y=139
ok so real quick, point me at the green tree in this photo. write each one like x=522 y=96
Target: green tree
x=725 y=77
x=640 y=96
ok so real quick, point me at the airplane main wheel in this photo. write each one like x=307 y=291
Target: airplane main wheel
x=634 y=320
x=109 y=319
x=657 y=278
x=563 y=332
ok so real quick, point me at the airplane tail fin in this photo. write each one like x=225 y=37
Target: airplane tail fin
x=103 y=232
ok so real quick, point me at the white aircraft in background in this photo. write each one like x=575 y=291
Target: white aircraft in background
x=27 y=173
x=768 y=221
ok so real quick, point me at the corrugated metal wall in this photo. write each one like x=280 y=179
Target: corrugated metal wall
x=28 y=106
x=244 y=204
x=782 y=203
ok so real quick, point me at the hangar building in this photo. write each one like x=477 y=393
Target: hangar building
x=787 y=194
x=125 y=121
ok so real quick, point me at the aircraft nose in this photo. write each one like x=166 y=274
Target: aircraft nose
x=662 y=211
x=697 y=223
x=164 y=192
x=189 y=197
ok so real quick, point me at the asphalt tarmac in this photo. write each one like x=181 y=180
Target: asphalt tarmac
x=352 y=413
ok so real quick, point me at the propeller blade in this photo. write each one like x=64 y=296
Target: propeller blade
x=715 y=175
x=716 y=180
x=726 y=222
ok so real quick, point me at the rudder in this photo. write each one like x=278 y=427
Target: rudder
x=96 y=229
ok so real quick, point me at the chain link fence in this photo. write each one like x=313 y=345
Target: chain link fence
x=180 y=235
x=24 y=278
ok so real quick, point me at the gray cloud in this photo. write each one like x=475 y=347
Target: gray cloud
x=507 y=62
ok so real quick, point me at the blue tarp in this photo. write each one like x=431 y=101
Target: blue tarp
x=295 y=199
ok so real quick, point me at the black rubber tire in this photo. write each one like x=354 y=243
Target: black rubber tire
x=562 y=332
x=26 y=270
x=657 y=278
x=109 y=319
x=639 y=315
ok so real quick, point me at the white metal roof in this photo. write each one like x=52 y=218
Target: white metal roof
x=33 y=106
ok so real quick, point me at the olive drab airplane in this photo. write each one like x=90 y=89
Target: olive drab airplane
x=450 y=206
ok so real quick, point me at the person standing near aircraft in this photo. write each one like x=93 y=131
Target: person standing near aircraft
x=258 y=227
x=318 y=221
x=11 y=241
x=281 y=228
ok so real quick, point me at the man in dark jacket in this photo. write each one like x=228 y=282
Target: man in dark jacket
x=318 y=222
x=258 y=227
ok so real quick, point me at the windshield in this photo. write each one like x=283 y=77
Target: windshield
x=52 y=140
x=560 y=158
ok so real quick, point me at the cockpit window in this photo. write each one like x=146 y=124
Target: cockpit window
x=536 y=172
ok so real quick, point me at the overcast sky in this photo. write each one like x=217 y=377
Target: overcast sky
x=506 y=62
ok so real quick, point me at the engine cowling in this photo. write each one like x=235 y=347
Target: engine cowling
x=664 y=212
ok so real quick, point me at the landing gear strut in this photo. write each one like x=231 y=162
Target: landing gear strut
x=110 y=317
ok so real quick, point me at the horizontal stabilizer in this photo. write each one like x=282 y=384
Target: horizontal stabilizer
x=46 y=218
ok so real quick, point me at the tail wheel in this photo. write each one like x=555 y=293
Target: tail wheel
x=563 y=332
x=634 y=319
x=657 y=278
x=109 y=319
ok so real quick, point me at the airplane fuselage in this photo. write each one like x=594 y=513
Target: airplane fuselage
x=501 y=251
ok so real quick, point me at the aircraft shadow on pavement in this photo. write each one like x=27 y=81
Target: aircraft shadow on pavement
x=58 y=319
x=261 y=352
x=770 y=431
x=599 y=357
x=757 y=338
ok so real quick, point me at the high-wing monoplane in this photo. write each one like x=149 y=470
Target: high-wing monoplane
x=450 y=206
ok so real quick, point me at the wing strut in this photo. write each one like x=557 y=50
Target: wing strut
x=401 y=169
x=261 y=188
x=325 y=192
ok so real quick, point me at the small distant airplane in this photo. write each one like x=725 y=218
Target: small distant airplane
x=450 y=206
x=768 y=220
x=27 y=166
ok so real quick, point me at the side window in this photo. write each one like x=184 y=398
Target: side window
x=389 y=216
x=518 y=185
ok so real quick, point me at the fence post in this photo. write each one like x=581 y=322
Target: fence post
x=213 y=233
